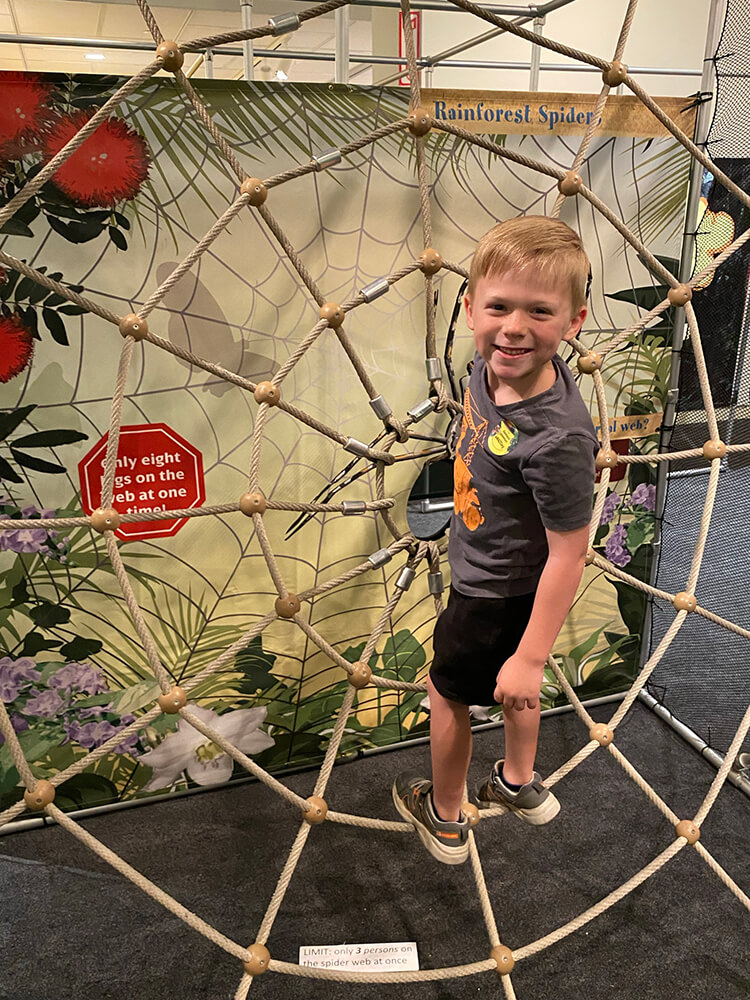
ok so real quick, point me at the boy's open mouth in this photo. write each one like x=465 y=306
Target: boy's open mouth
x=512 y=352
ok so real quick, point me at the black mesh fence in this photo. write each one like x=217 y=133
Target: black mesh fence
x=704 y=678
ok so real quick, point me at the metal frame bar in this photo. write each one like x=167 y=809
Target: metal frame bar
x=571 y=67
x=343 y=25
x=441 y=57
x=695 y=741
x=246 y=12
x=536 y=55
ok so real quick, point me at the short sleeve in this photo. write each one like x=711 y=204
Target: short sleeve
x=560 y=476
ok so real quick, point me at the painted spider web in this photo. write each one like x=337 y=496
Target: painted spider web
x=270 y=396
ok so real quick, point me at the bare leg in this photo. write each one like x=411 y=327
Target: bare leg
x=450 y=746
x=521 y=736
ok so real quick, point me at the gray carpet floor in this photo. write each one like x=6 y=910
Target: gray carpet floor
x=72 y=929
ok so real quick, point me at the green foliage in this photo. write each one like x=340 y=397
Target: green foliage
x=38 y=439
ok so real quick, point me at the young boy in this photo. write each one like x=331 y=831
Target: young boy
x=524 y=476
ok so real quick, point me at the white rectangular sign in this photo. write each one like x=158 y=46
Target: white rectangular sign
x=400 y=956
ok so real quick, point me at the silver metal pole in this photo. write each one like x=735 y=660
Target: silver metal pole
x=504 y=10
x=209 y=64
x=341 y=73
x=246 y=11
x=738 y=780
x=536 y=55
x=479 y=39
x=226 y=50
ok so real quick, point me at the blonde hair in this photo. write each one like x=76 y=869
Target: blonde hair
x=536 y=241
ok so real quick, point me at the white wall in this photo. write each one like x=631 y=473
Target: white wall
x=665 y=33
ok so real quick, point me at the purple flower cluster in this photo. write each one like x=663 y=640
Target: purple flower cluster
x=36 y=541
x=644 y=496
x=615 y=549
x=78 y=677
x=92 y=734
x=610 y=506
x=15 y=676
x=58 y=701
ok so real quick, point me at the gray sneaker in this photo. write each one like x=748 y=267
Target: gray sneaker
x=532 y=802
x=448 y=842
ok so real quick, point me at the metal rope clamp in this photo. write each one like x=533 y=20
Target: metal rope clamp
x=327 y=158
x=374 y=290
x=282 y=24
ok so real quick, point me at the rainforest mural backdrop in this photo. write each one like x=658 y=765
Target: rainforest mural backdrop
x=113 y=222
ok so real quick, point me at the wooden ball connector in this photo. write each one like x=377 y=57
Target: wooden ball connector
x=471 y=813
x=570 y=184
x=504 y=958
x=317 y=810
x=133 y=326
x=420 y=121
x=360 y=676
x=430 y=261
x=680 y=295
x=171 y=702
x=684 y=601
x=615 y=74
x=687 y=829
x=589 y=363
x=590 y=557
x=41 y=796
x=333 y=314
x=714 y=449
x=104 y=519
x=267 y=392
x=253 y=503
x=602 y=734
x=606 y=459
x=257 y=964
x=170 y=56
x=287 y=606
x=256 y=189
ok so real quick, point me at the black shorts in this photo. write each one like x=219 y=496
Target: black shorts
x=473 y=637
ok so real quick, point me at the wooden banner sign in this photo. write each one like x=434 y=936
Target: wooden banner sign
x=542 y=113
x=632 y=427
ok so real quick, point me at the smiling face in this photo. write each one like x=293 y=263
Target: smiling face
x=519 y=320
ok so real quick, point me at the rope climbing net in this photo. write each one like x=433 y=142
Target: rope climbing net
x=255 y=195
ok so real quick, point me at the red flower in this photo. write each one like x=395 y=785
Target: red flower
x=23 y=109
x=16 y=347
x=109 y=167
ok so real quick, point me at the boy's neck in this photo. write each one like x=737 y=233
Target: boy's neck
x=502 y=393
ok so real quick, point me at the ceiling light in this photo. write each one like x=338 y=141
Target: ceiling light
x=281 y=75
x=94 y=55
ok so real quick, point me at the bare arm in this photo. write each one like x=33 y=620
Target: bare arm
x=520 y=678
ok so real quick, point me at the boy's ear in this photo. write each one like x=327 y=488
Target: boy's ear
x=575 y=324
x=469 y=316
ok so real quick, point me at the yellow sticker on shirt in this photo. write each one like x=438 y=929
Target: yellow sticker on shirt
x=503 y=439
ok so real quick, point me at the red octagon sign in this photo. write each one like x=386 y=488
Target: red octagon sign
x=157 y=470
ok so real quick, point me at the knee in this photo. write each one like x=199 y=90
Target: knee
x=439 y=703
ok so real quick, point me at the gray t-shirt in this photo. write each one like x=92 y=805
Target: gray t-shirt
x=519 y=469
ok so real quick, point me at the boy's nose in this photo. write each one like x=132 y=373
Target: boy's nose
x=515 y=324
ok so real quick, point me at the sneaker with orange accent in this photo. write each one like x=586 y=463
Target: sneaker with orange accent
x=533 y=802
x=446 y=841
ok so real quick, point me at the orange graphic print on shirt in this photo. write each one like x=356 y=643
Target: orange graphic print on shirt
x=466 y=501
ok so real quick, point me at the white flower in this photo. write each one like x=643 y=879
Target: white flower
x=206 y=763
